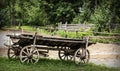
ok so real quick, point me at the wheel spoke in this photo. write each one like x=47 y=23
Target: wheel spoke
x=11 y=52
x=25 y=59
x=28 y=61
x=62 y=55
x=71 y=57
x=31 y=50
x=24 y=56
x=31 y=60
x=28 y=50
x=34 y=52
x=62 y=52
x=25 y=53
x=83 y=61
x=67 y=57
x=12 y=56
x=77 y=55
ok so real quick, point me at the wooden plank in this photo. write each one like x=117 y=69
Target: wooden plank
x=63 y=38
x=19 y=37
x=60 y=40
x=50 y=48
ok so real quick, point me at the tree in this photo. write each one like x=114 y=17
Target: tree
x=42 y=12
x=34 y=14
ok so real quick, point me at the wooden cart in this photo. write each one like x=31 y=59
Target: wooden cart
x=29 y=47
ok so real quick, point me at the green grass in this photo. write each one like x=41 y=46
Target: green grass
x=104 y=40
x=49 y=65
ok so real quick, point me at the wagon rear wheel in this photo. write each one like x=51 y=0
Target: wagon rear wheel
x=64 y=53
x=29 y=54
x=11 y=53
x=78 y=58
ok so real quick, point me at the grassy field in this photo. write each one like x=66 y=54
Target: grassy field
x=49 y=65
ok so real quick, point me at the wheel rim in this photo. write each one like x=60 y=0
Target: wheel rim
x=78 y=56
x=11 y=53
x=64 y=54
x=29 y=54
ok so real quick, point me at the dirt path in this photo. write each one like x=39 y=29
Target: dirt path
x=105 y=54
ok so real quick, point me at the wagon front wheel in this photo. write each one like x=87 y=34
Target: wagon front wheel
x=29 y=54
x=79 y=58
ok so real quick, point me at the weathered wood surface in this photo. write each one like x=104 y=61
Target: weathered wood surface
x=50 y=41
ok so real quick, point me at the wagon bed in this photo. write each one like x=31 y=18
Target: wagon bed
x=29 y=47
x=50 y=41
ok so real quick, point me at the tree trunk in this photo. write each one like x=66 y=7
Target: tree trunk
x=19 y=25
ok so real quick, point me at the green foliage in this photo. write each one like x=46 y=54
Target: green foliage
x=41 y=12
x=64 y=12
x=24 y=12
x=69 y=34
x=101 y=17
x=84 y=15
x=4 y=17
x=101 y=13
x=31 y=14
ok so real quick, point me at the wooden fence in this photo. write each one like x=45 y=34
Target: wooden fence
x=75 y=27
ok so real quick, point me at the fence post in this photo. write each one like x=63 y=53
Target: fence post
x=60 y=25
x=66 y=34
x=76 y=34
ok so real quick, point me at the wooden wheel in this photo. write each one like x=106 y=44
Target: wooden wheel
x=11 y=53
x=29 y=54
x=64 y=53
x=78 y=58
